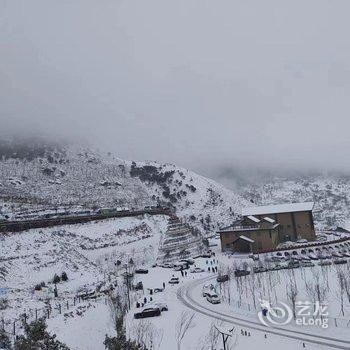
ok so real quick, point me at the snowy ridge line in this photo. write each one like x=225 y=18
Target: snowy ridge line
x=15 y=226
x=184 y=295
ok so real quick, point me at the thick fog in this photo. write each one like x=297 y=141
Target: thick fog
x=204 y=84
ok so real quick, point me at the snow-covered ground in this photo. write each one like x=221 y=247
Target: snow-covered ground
x=88 y=253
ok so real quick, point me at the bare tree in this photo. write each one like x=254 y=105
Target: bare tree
x=341 y=288
x=292 y=292
x=211 y=341
x=183 y=325
x=146 y=335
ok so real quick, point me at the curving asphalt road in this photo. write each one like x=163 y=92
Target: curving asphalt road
x=184 y=294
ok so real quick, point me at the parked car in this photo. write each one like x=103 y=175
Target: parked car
x=197 y=270
x=302 y=241
x=312 y=256
x=158 y=290
x=188 y=261
x=276 y=267
x=148 y=312
x=345 y=254
x=213 y=298
x=174 y=280
x=340 y=261
x=259 y=269
x=141 y=271
x=167 y=265
x=160 y=306
x=222 y=278
x=275 y=258
x=207 y=289
x=306 y=263
x=293 y=264
x=325 y=263
x=240 y=273
x=336 y=254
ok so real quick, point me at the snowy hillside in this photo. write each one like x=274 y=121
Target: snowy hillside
x=331 y=194
x=42 y=177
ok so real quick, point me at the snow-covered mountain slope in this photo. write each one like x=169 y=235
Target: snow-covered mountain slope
x=39 y=177
x=331 y=194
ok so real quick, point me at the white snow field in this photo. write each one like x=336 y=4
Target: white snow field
x=88 y=253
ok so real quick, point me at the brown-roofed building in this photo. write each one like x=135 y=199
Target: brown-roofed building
x=263 y=228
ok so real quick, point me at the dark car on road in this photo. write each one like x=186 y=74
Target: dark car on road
x=222 y=278
x=141 y=271
x=149 y=312
x=240 y=273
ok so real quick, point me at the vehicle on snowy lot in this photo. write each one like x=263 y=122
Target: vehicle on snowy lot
x=254 y=257
x=340 y=261
x=174 y=280
x=178 y=268
x=302 y=241
x=287 y=244
x=325 y=263
x=197 y=270
x=306 y=263
x=207 y=289
x=293 y=264
x=336 y=254
x=141 y=271
x=312 y=256
x=345 y=254
x=160 y=306
x=213 y=298
x=259 y=269
x=188 y=261
x=276 y=267
x=158 y=290
x=240 y=273
x=167 y=265
x=275 y=259
x=222 y=278
x=148 y=312
x=321 y=238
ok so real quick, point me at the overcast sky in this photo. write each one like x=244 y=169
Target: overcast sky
x=198 y=83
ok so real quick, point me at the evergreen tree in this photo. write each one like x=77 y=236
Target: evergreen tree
x=36 y=337
x=5 y=342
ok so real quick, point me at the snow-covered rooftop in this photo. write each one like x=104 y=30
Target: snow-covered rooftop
x=253 y=218
x=245 y=238
x=279 y=208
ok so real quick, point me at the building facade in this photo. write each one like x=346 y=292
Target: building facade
x=263 y=228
